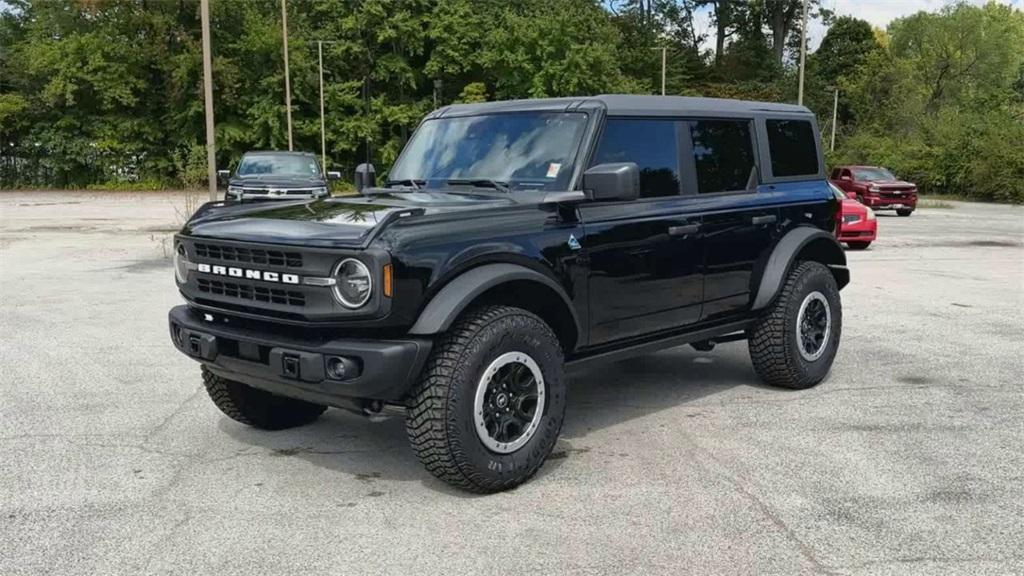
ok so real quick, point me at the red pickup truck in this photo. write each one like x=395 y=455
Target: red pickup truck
x=877 y=188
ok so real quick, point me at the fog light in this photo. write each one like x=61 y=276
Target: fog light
x=341 y=368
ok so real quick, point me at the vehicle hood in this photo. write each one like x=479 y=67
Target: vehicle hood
x=327 y=223
x=892 y=184
x=851 y=206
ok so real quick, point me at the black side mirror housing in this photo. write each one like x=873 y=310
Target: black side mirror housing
x=366 y=177
x=333 y=175
x=612 y=181
x=223 y=176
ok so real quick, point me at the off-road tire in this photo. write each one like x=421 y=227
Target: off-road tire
x=439 y=416
x=904 y=212
x=773 y=344
x=858 y=245
x=258 y=408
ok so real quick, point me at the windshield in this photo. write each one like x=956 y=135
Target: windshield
x=532 y=150
x=839 y=194
x=872 y=174
x=278 y=165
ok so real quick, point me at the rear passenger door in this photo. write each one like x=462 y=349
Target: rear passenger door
x=738 y=227
x=644 y=256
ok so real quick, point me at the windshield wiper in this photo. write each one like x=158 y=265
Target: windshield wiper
x=483 y=183
x=411 y=181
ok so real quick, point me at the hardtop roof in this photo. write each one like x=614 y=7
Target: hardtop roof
x=628 y=105
x=278 y=152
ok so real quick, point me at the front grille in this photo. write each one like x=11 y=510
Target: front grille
x=249 y=255
x=251 y=292
x=251 y=192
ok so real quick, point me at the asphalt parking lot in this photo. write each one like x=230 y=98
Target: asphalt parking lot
x=908 y=459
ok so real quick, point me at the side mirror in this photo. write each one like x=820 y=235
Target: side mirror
x=223 y=175
x=333 y=175
x=366 y=176
x=612 y=181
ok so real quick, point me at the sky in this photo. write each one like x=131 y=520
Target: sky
x=877 y=12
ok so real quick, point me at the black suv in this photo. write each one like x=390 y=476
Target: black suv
x=274 y=175
x=513 y=240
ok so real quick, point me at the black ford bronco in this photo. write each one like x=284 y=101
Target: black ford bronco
x=510 y=242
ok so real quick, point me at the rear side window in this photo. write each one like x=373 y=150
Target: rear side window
x=723 y=153
x=652 y=144
x=792 y=147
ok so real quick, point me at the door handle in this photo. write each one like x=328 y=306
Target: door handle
x=769 y=219
x=683 y=230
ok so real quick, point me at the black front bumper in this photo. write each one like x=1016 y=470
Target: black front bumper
x=293 y=365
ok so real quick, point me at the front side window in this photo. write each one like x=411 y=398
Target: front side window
x=257 y=165
x=792 y=148
x=723 y=153
x=528 y=150
x=652 y=144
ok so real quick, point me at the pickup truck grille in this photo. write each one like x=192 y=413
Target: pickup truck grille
x=248 y=255
x=251 y=292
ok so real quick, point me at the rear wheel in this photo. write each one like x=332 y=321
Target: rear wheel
x=793 y=344
x=903 y=212
x=256 y=407
x=858 y=245
x=490 y=402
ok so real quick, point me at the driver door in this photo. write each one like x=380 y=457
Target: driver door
x=644 y=258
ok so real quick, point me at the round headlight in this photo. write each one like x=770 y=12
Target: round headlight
x=180 y=264
x=354 y=283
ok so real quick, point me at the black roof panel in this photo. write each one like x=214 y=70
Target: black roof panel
x=628 y=105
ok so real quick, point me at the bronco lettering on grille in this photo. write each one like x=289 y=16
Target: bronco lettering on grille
x=248 y=274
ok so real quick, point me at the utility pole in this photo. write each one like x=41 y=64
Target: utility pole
x=663 y=49
x=287 y=80
x=663 y=52
x=211 y=148
x=835 y=115
x=323 y=126
x=803 y=54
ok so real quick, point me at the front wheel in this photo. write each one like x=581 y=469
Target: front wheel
x=793 y=344
x=903 y=212
x=489 y=405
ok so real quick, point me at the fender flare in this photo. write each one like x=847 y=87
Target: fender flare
x=454 y=297
x=827 y=249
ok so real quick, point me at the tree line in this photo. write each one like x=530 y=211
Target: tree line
x=109 y=92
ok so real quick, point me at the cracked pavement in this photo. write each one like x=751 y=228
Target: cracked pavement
x=908 y=459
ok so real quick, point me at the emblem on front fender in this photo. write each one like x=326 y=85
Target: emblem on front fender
x=574 y=244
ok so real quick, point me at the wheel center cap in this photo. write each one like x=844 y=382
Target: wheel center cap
x=501 y=400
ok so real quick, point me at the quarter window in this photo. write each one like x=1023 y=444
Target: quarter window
x=792 y=147
x=652 y=144
x=724 y=155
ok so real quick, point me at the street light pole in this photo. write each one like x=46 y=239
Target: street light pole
x=287 y=79
x=323 y=127
x=803 y=54
x=663 y=49
x=211 y=148
x=835 y=115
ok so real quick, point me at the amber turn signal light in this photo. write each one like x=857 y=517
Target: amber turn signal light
x=387 y=280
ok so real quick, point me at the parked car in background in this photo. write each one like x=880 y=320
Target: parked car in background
x=877 y=188
x=857 y=226
x=274 y=175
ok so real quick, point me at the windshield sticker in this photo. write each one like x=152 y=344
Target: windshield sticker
x=553 y=169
